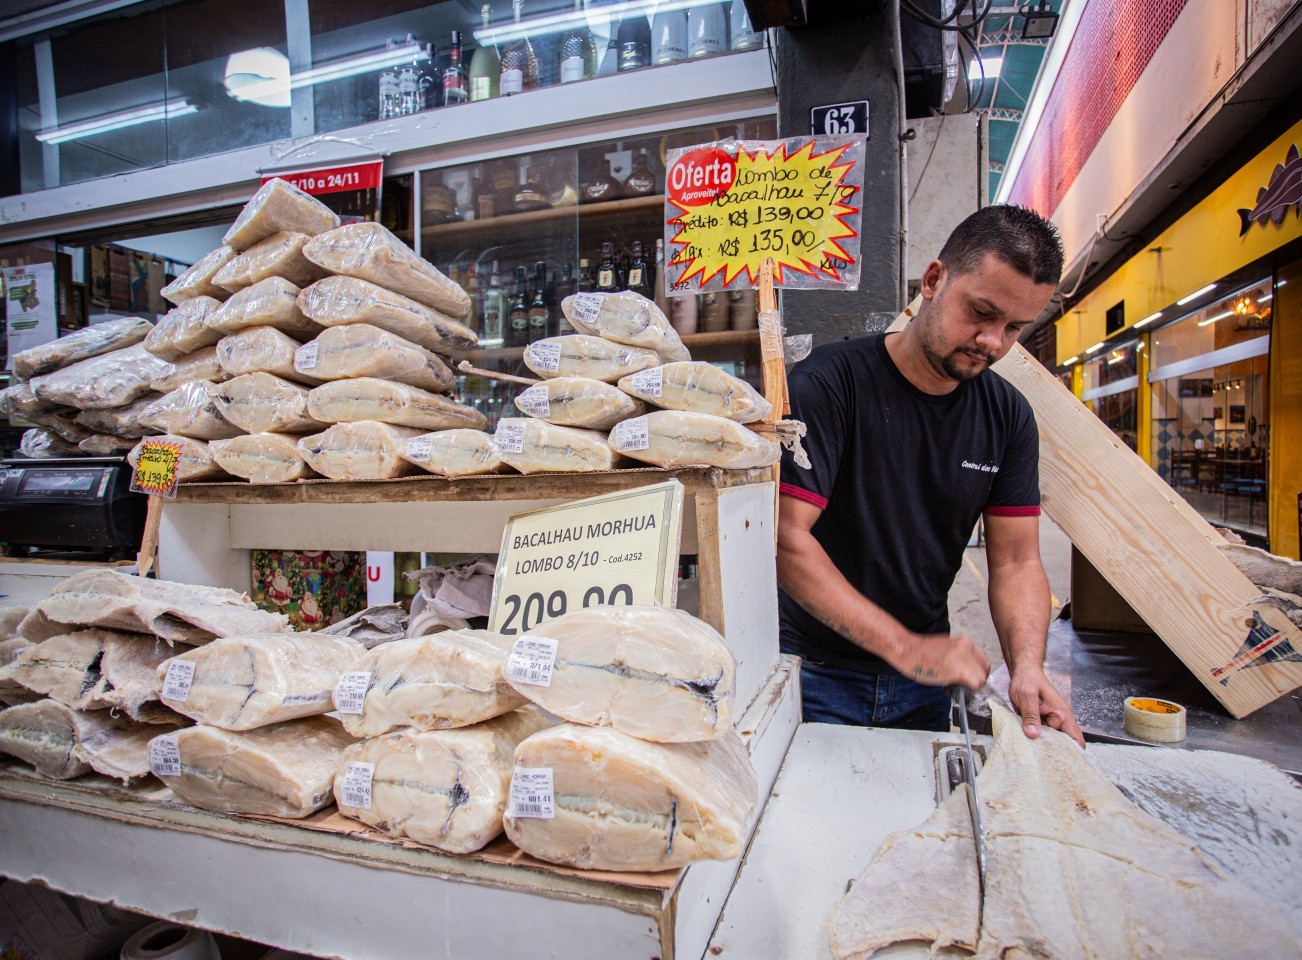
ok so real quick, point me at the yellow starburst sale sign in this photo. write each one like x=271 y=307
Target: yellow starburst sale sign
x=732 y=203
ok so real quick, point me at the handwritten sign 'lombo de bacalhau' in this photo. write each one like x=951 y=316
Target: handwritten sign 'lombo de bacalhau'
x=620 y=549
x=731 y=204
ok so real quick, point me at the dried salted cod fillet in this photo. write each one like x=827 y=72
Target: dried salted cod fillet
x=11 y=691
x=261 y=350
x=121 y=421
x=272 y=302
x=363 y=350
x=1075 y=871
x=698 y=387
x=196 y=460
x=197 y=281
x=63 y=425
x=444 y=788
x=369 y=398
x=182 y=330
x=93 y=341
x=626 y=804
x=106 y=445
x=241 y=683
x=449 y=679
x=454 y=453
x=264 y=403
x=536 y=446
x=578 y=402
x=176 y=612
x=190 y=411
x=203 y=364
x=651 y=672
x=369 y=251
x=366 y=450
x=62 y=743
x=673 y=438
x=278 y=255
x=625 y=317
x=279 y=206
x=12 y=613
x=335 y=301
x=579 y=355
x=284 y=770
x=111 y=380
x=42 y=444
x=19 y=399
x=262 y=458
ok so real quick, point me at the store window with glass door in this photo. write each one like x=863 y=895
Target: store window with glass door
x=1211 y=417
x=1111 y=390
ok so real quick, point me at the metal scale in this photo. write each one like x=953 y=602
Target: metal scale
x=74 y=508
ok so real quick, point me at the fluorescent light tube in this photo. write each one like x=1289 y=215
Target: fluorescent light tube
x=116 y=121
x=563 y=20
x=1219 y=316
x=1265 y=298
x=1096 y=348
x=338 y=70
x=1070 y=360
x=1148 y=319
x=992 y=67
x=1196 y=294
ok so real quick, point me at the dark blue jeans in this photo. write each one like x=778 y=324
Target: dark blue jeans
x=837 y=695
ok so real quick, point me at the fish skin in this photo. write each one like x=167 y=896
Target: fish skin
x=697 y=387
x=1284 y=190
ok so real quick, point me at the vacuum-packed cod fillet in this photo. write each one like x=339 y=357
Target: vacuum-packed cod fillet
x=261 y=350
x=285 y=770
x=176 y=612
x=277 y=207
x=20 y=400
x=182 y=330
x=245 y=682
x=579 y=355
x=673 y=438
x=264 y=403
x=190 y=411
x=651 y=672
x=622 y=803
x=1075 y=870
x=272 y=302
x=62 y=424
x=106 y=445
x=197 y=281
x=110 y=380
x=203 y=364
x=62 y=743
x=278 y=255
x=42 y=444
x=196 y=459
x=262 y=457
x=536 y=446
x=698 y=387
x=625 y=317
x=94 y=341
x=444 y=788
x=361 y=350
x=121 y=421
x=369 y=398
x=578 y=402
x=454 y=453
x=95 y=670
x=335 y=301
x=366 y=450
x=448 y=679
x=368 y=251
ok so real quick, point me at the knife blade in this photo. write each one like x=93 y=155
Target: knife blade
x=973 y=799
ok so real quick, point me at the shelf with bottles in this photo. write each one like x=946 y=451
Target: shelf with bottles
x=496 y=224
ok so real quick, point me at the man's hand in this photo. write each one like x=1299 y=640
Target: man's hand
x=942 y=660
x=1034 y=697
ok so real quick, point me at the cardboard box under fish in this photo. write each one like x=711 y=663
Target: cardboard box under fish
x=314 y=588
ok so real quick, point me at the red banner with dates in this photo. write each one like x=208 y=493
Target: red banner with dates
x=323 y=180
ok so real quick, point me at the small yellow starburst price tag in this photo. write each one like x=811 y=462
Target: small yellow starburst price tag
x=733 y=203
x=157 y=468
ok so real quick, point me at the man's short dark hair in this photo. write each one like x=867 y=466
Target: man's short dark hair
x=1020 y=237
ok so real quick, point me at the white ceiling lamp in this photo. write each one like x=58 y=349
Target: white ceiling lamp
x=259 y=76
x=272 y=88
x=991 y=65
x=1096 y=348
x=1196 y=294
x=1148 y=319
x=168 y=110
x=1070 y=360
x=1219 y=316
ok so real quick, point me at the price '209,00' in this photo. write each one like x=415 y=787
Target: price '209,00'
x=535 y=608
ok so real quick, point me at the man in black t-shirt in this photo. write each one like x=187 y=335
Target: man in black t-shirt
x=911 y=440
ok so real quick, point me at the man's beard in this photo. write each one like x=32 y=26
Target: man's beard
x=947 y=363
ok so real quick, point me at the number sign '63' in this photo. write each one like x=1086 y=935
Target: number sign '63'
x=618 y=549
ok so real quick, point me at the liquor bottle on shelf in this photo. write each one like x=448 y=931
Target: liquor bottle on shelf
x=742 y=309
x=439 y=204
x=519 y=333
x=610 y=59
x=607 y=280
x=713 y=314
x=683 y=311
x=476 y=296
x=578 y=52
x=638 y=279
x=390 y=100
x=585 y=283
x=540 y=313
x=532 y=194
x=707 y=33
x=744 y=37
x=603 y=186
x=641 y=181
x=564 y=287
x=492 y=331
x=659 y=286
x=563 y=192
x=454 y=74
x=485 y=65
x=408 y=85
x=519 y=65
x=634 y=40
x=669 y=36
x=485 y=199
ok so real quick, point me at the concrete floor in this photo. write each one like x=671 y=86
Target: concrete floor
x=970 y=613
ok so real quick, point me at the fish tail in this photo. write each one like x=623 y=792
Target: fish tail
x=1245 y=220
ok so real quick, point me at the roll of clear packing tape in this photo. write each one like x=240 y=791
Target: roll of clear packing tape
x=1154 y=720
x=170 y=941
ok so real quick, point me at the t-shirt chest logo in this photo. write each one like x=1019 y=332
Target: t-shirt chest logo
x=980 y=467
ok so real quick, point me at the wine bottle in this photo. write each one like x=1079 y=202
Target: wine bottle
x=634 y=41
x=540 y=314
x=585 y=283
x=609 y=59
x=492 y=332
x=518 y=335
x=532 y=194
x=607 y=269
x=602 y=187
x=390 y=100
x=638 y=280
x=707 y=33
x=744 y=37
x=669 y=37
x=485 y=65
x=454 y=76
x=519 y=65
x=641 y=181
x=578 y=53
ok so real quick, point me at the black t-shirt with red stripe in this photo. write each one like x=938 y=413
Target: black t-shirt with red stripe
x=902 y=477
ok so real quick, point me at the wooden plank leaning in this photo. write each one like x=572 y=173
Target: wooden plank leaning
x=1154 y=548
